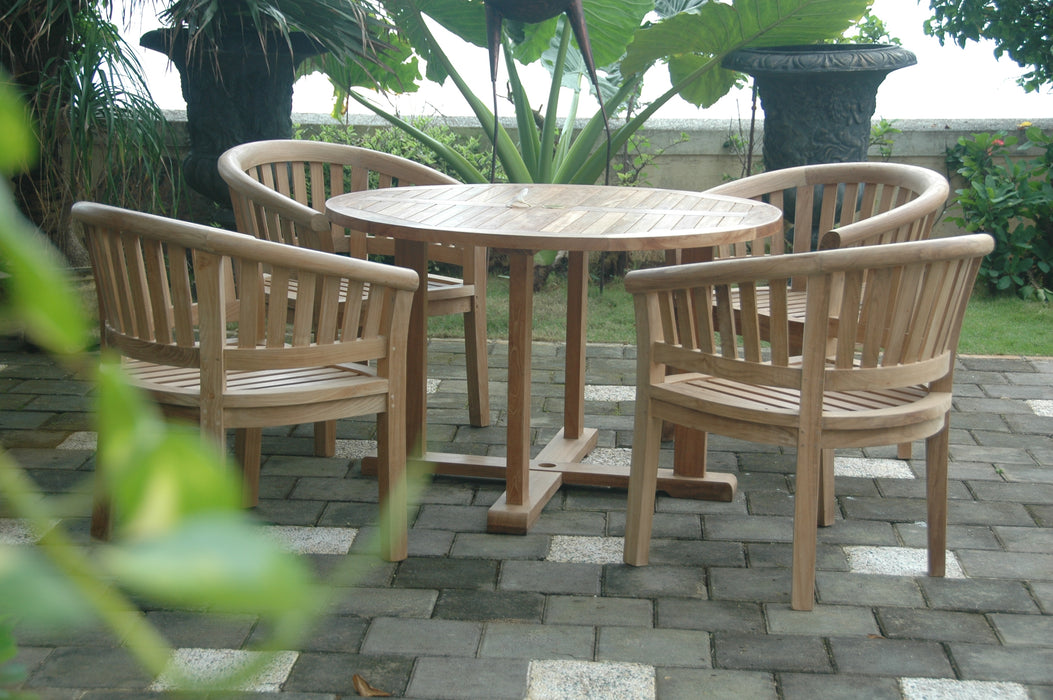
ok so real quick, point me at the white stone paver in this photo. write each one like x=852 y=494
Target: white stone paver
x=609 y=392
x=313 y=540
x=950 y=689
x=872 y=468
x=431 y=386
x=83 y=440
x=1041 y=407
x=590 y=680
x=356 y=449
x=209 y=665
x=896 y=561
x=610 y=456
x=16 y=531
x=586 y=550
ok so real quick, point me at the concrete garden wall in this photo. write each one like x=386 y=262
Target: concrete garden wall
x=707 y=157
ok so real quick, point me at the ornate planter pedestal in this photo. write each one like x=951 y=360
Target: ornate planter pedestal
x=818 y=100
x=234 y=94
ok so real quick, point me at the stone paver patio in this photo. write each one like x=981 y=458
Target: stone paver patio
x=555 y=614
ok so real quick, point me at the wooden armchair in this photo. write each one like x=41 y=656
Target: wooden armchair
x=838 y=205
x=279 y=189
x=184 y=307
x=880 y=333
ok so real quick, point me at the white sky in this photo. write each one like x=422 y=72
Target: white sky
x=947 y=82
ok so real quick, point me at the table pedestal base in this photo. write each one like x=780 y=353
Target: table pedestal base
x=547 y=475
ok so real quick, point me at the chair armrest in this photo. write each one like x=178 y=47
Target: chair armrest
x=242 y=184
x=921 y=211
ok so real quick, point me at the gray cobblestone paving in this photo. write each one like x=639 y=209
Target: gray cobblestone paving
x=473 y=614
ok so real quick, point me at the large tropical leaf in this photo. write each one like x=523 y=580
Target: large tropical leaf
x=467 y=16
x=611 y=24
x=694 y=42
x=397 y=71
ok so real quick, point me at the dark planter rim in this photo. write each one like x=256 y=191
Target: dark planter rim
x=820 y=58
x=172 y=41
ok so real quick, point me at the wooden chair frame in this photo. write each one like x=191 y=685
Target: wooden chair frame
x=880 y=333
x=276 y=195
x=184 y=307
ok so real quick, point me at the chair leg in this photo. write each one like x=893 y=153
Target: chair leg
x=827 y=502
x=805 y=517
x=643 y=479
x=325 y=438
x=391 y=480
x=903 y=450
x=475 y=361
x=248 y=443
x=101 y=522
x=936 y=453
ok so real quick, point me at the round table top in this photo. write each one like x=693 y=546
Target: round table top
x=554 y=217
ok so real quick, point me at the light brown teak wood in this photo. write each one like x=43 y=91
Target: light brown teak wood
x=184 y=306
x=880 y=332
x=521 y=220
x=278 y=190
x=835 y=205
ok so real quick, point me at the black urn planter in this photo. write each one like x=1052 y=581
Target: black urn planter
x=235 y=92
x=818 y=100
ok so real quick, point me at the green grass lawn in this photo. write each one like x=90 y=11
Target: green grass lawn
x=993 y=325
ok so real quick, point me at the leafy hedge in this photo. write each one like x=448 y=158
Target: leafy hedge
x=1012 y=199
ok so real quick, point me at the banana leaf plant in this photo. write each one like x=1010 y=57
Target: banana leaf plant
x=628 y=37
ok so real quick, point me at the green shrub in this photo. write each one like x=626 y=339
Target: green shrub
x=1012 y=199
x=388 y=139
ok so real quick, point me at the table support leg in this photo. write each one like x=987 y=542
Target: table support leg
x=520 y=336
x=526 y=491
x=577 y=305
x=415 y=256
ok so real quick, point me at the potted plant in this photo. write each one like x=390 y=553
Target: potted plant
x=818 y=99
x=238 y=59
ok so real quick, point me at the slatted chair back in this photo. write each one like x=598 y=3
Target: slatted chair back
x=184 y=306
x=309 y=173
x=880 y=336
x=840 y=205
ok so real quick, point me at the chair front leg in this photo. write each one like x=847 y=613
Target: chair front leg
x=805 y=531
x=936 y=454
x=643 y=480
x=391 y=481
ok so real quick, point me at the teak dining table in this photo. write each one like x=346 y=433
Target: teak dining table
x=521 y=220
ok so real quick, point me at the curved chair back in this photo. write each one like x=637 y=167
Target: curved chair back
x=309 y=173
x=838 y=205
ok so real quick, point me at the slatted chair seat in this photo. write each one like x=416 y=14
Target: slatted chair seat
x=184 y=307
x=780 y=407
x=315 y=386
x=876 y=368
x=279 y=189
